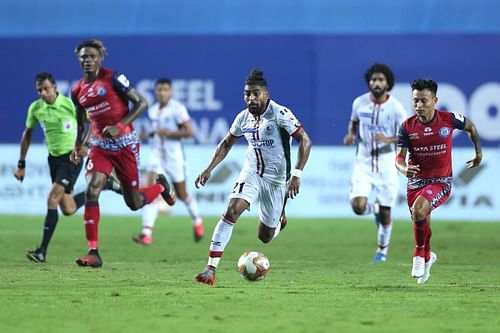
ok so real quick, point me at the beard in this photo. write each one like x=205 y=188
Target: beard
x=377 y=93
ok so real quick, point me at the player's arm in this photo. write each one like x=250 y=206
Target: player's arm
x=139 y=106
x=471 y=131
x=352 y=130
x=401 y=152
x=304 y=150
x=25 y=144
x=82 y=135
x=185 y=131
x=220 y=153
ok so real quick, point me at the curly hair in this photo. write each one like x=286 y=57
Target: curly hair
x=380 y=68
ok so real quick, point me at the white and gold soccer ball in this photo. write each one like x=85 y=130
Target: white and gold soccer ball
x=253 y=265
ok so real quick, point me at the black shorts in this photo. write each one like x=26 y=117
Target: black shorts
x=63 y=171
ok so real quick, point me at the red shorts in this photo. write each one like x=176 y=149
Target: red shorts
x=125 y=162
x=437 y=194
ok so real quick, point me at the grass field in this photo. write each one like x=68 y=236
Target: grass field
x=321 y=280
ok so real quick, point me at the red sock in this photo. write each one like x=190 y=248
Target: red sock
x=91 y=217
x=420 y=232
x=427 y=247
x=150 y=193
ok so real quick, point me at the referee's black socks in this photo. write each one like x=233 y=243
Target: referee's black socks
x=48 y=229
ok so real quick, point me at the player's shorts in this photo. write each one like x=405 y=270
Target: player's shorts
x=63 y=171
x=436 y=193
x=271 y=197
x=125 y=162
x=175 y=169
x=385 y=183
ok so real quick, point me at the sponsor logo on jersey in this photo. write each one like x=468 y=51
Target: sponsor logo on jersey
x=366 y=114
x=123 y=80
x=444 y=132
x=249 y=130
x=262 y=143
x=459 y=116
x=428 y=131
x=101 y=91
x=429 y=192
x=413 y=136
x=269 y=129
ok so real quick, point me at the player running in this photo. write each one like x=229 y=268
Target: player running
x=56 y=115
x=267 y=126
x=171 y=123
x=375 y=120
x=427 y=138
x=103 y=95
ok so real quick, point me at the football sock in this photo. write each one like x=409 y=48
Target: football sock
x=384 y=235
x=91 y=217
x=420 y=232
x=192 y=207
x=427 y=247
x=48 y=228
x=150 y=193
x=79 y=199
x=220 y=238
x=368 y=209
x=277 y=231
x=149 y=216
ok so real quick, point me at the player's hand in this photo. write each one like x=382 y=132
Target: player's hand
x=19 y=174
x=112 y=131
x=202 y=178
x=381 y=138
x=474 y=162
x=349 y=139
x=412 y=170
x=84 y=151
x=164 y=133
x=75 y=156
x=293 y=187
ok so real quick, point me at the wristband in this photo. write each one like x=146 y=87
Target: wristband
x=121 y=126
x=21 y=164
x=296 y=173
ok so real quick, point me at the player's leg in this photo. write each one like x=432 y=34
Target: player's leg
x=361 y=187
x=220 y=238
x=420 y=209
x=192 y=207
x=99 y=167
x=271 y=198
x=149 y=215
x=67 y=177
x=126 y=163
x=386 y=187
x=245 y=192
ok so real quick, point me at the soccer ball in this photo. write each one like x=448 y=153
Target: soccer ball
x=253 y=265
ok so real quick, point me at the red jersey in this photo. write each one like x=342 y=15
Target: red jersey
x=104 y=100
x=429 y=144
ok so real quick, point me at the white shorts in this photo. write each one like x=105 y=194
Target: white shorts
x=174 y=169
x=252 y=188
x=385 y=183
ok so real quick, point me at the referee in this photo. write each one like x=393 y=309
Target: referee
x=56 y=115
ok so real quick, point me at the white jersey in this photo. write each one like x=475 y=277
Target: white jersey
x=170 y=117
x=375 y=119
x=268 y=137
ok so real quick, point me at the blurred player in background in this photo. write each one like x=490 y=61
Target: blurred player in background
x=267 y=126
x=103 y=96
x=170 y=123
x=375 y=120
x=56 y=115
x=427 y=138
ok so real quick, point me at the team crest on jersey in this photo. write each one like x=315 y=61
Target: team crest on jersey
x=101 y=91
x=429 y=192
x=269 y=129
x=444 y=132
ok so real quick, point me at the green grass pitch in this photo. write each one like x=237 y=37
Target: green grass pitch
x=321 y=280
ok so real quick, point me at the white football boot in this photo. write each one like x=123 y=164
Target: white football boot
x=428 y=265
x=418 y=267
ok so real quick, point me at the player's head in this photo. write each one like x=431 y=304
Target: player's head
x=380 y=79
x=163 y=90
x=424 y=97
x=90 y=54
x=256 y=93
x=46 y=88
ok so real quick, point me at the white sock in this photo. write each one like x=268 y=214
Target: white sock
x=277 y=230
x=194 y=211
x=368 y=209
x=384 y=236
x=220 y=238
x=149 y=215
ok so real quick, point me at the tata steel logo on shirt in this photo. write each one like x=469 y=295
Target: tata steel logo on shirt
x=444 y=132
x=262 y=143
